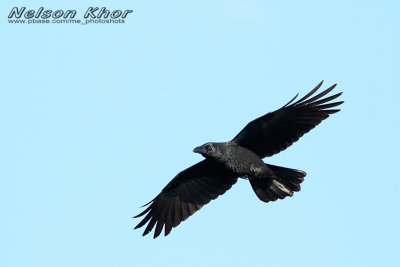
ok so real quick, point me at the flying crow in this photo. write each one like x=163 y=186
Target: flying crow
x=241 y=157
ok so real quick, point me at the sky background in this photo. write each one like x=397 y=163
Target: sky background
x=96 y=119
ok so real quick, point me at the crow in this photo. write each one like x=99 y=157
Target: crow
x=241 y=157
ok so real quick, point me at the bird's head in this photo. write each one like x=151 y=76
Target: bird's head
x=211 y=150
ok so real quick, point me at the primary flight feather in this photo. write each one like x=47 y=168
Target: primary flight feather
x=242 y=157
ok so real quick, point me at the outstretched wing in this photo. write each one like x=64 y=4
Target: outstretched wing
x=277 y=130
x=185 y=194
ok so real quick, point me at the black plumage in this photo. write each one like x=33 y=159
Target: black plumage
x=242 y=157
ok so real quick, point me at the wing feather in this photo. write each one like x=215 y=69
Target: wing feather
x=184 y=195
x=275 y=131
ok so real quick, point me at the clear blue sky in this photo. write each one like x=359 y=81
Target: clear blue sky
x=96 y=119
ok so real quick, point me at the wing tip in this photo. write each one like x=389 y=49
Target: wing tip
x=291 y=100
x=157 y=234
x=148 y=203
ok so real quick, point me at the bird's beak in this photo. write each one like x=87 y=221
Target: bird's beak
x=198 y=149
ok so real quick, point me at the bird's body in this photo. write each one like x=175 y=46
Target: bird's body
x=241 y=157
x=239 y=160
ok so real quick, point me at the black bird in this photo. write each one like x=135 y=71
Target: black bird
x=242 y=157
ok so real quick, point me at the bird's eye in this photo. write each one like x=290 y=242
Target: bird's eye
x=208 y=147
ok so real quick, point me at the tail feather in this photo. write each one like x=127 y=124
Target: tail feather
x=283 y=183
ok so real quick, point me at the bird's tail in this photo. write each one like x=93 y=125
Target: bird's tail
x=283 y=183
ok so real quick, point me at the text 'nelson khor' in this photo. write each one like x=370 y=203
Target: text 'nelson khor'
x=91 y=12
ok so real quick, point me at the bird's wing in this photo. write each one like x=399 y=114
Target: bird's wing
x=277 y=130
x=185 y=194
